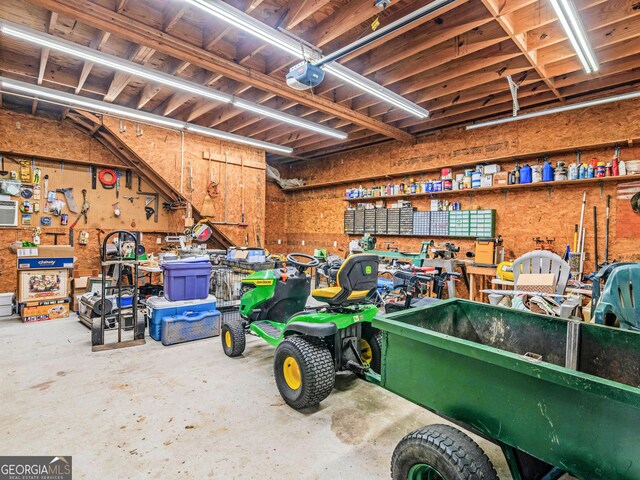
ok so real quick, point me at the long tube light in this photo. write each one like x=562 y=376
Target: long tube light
x=89 y=54
x=43 y=94
x=551 y=111
x=568 y=16
x=276 y=38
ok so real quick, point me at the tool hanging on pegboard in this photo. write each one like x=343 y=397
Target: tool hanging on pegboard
x=149 y=211
x=108 y=178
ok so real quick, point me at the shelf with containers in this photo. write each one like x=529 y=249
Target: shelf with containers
x=468 y=164
x=561 y=183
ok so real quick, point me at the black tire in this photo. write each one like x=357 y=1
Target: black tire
x=446 y=449
x=312 y=367
x=373 y=342
x=233 y=337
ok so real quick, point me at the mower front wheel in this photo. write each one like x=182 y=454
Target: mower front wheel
x=304 y=371
x=233 y=337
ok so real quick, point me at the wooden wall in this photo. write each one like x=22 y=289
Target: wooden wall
x=316 y=215
x=238 y=170
x=27 y=135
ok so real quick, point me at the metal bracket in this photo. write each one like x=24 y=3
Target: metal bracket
x=549 y=188
x=601 y=188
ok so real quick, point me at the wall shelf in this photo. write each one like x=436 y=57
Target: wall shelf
x=466 y=164
x=561 y=183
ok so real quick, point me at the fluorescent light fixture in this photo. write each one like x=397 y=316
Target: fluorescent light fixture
x=278 y=39
x=568 y=16
x=89 y=54
x=297 y=121
x=551 y=111
x=251 y=25
x=373 y=88
x=43 y=94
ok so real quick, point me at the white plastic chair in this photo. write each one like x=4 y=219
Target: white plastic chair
x=543 y=261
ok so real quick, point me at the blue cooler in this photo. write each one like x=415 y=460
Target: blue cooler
x=159 y=307
x=190 y=326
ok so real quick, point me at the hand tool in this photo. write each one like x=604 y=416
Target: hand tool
x=68 y=195
x=83 y=212
x=131 y=199
x=93 y=177
x=154 y=195
x=128 y=176
x=55 y=236
x=118 y=175
x=595 y=237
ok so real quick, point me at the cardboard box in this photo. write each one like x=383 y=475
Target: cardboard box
x=491 y=168
x=80 y=285
x=42 y=285
x=537 y=282
x=39 y=263
x=501 y=178
x=39 y=311
x=47 y=251
x=486 y=180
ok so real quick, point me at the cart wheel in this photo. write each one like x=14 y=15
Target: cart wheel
x=304 y=371
x=371 y=348
x=440 y=452
x=233 y=337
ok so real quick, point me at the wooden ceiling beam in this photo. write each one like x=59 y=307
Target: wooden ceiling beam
x=140 y=54
x=97 y=43
x=99 y=17
x=594 y=16
x=300 y=10
x=609 y=68
x=599 y=37
x=605 y=54
x=44 y=53
x=540 y=14
x=121 y=5
x=433 y=33
x=172 y=14
x=346 y=17
x=389 y=17
x=519 y=39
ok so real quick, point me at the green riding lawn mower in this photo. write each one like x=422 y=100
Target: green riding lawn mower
x=312 y=343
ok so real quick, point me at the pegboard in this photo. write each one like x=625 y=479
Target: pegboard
x=101 y=212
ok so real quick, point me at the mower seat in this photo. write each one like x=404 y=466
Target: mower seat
x=356 y=278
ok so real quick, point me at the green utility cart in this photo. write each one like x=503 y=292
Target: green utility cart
x=556 y=395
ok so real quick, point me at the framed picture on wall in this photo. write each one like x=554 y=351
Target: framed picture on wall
x=37 y=285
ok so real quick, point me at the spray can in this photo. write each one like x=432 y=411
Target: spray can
x=615 y=167
x=64 y=219
x=547 y=172
x=608 y=170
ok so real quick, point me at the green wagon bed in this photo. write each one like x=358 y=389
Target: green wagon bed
x=557 y=395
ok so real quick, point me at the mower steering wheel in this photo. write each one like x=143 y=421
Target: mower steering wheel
x=301 y=266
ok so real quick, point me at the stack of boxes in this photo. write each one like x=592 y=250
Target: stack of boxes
x=44 y=277
x=187 y=311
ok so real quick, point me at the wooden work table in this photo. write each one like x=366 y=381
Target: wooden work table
x=484 y=275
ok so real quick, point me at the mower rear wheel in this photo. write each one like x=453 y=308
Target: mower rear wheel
x=304 y=371
x=371 y=348
x=233 y=337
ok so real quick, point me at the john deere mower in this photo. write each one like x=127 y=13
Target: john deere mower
x=312 y=344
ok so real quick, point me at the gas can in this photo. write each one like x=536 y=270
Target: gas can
x=547 y=172
x=525 y=174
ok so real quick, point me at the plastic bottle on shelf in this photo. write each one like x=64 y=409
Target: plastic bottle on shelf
x=615 y=166
x=516 y=171
x=547 y=172
x=622 y=168
x=582 y=171
x=590 y=171
x=525 y=174
x=601 y=170
x=536 y=173
x=573 y=171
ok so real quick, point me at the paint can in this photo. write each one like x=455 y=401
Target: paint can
x=437 y=186
x=446 y=174
x=447 y=185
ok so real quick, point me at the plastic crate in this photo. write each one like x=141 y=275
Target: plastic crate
x=190 y=326
x=186 y=280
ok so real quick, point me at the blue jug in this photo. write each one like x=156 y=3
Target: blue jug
x=547 y=172
x=525 y=174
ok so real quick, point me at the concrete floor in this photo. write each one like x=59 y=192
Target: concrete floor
x=188 y=411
